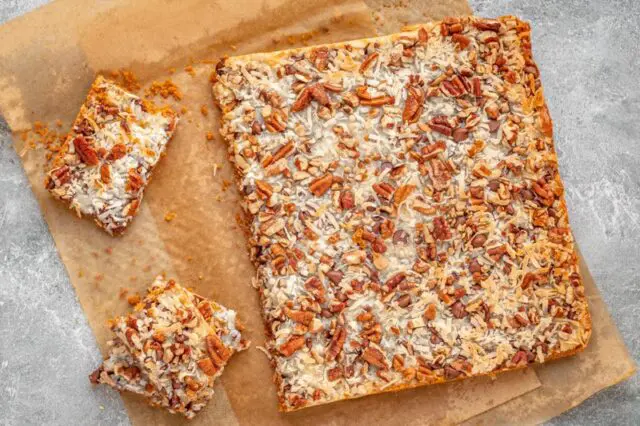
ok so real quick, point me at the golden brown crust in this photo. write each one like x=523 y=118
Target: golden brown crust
x=407 y=218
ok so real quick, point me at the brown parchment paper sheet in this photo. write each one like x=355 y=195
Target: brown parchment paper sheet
x=48 y=60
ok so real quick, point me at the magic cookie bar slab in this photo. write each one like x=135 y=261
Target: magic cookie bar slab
x=106 y=161
x=171 y=349
x=405 y=210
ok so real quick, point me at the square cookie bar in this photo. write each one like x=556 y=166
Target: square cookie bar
x=405 y=210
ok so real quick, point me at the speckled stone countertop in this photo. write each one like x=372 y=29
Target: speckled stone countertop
x=588 y=53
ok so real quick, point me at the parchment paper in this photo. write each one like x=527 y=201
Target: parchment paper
x=49 y=58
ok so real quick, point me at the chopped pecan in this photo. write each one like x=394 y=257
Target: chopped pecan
x=439 y=174
x=84 y=128
x=462 y=41
x=453 y=87
x=545 y=122
x=397 y=362
x=477 y=192
x=217 y=351
x=423 y=36
x=519 y=358
x=320 y=58
x=460 y=134
x=378 y=101
x=396 y=279
x=321 y=185
x=206 y=365
x=59 y=177
x=105 y=173
x=256 y=128
x=378 y=246
x=487 y=25
x=336 y=344
x=404 y=300
x=440 y=128
x=413 y=105
x=477 y=89
x=302 y=317
x=531 y=278
x=346 y=200
x=294 y=344
x=375 y=357
x=430 y=312
x=362 y=92
x=95 y=376
x=497 y=252
x=451 y=373
x=276 y=122
x=315 y=287
x=384 y=190
x=458 y=310
x=85 y=151
x=264 y=189
x=135 y=181
x=521 y=319
x=282 y=152
x=335 y=276
x=441 y=229
x=117 y=152
x=131 y=373
x=334 y=374
x=302 y=101
x=478 y=240
x=402 y=193
x=368 y=62
x=319 y=94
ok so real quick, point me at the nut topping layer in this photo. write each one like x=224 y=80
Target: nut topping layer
x=107 y=159
x=406 y=214
x=171 y=349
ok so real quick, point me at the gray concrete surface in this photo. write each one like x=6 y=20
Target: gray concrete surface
x=588 y=52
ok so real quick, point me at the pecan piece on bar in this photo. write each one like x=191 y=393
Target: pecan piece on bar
x=294 y=344
x=413 y=106
x=375 y=357
x=336 y=344
x=321 y=185
x=368 y=62
x=86 y=151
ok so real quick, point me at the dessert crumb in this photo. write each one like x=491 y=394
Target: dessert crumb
x=189 y=69
x=134 y=299
x=164 y=89
x=123 y=292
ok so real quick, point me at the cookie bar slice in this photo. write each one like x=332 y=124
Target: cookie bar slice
x=171 y=348
x=106 y=161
